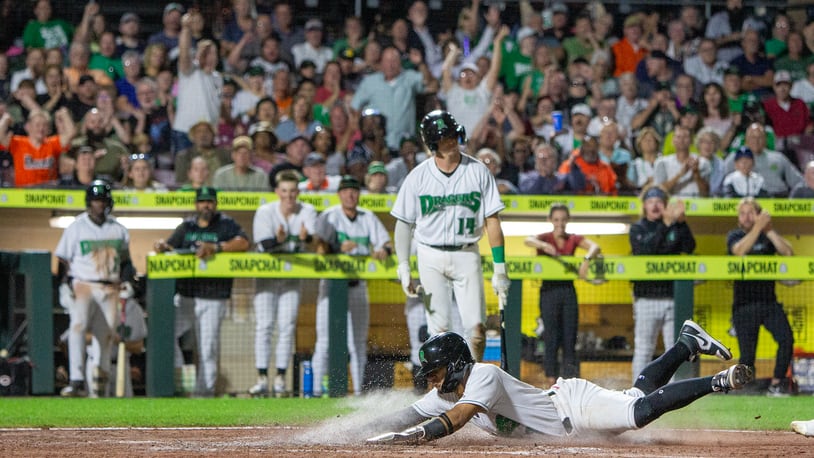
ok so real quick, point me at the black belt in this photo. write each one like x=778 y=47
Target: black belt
x=103 y=282
x=451 y=247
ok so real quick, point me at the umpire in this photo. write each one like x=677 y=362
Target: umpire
x=202 y=301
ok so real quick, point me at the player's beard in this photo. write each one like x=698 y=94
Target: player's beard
x=206 y=215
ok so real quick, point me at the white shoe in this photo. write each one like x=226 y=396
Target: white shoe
x=279 y=386
x=261 y=388
x=74 y=390
x=806 y=428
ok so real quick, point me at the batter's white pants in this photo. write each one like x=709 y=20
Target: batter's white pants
x=278 y=299
x=650 y=317
x=205 y=315
x=416 y=317
x=91 y=298
x=452 y=276
x=358 y=321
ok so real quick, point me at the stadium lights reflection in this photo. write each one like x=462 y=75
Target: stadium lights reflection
x=130 y=222
x=526 y=228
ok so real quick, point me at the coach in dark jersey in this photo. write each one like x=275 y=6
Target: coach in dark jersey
x=755 y=302
x=201 y=302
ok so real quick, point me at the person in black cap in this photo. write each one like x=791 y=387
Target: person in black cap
x=295 y=152
x=347 y=229
x=201 y=302
x=744 y=182
x=663 y=230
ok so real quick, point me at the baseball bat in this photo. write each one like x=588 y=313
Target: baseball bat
x=501 y=303
x=120 y=360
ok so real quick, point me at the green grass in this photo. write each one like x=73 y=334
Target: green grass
x=58 y=412
x=714 y=412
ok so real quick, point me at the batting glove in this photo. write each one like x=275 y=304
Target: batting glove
x=500 y=281
x=406 y=282
x=66 y=295
x=126 y=291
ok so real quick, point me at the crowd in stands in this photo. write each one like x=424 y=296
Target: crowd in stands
x=573 y=99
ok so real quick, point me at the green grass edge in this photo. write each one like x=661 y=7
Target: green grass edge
x=718 y=411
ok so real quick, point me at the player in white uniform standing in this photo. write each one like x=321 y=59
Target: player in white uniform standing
x=282 y=226
x=445 y=203
x=497 y=402
x=94 y=265
x=348 y=229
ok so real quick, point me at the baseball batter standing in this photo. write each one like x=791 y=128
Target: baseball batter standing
x=94 y=264
x=493 y=400
x=282 y=226
x=348 y=229
x=201 y=302
x=445 y=203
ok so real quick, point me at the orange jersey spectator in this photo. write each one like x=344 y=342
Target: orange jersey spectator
x=36 y=154
x=626 y=52
x=600 y=179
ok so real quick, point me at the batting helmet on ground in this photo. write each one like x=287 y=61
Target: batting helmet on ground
x=440 y=124
x=446 y=350
x=100 y=190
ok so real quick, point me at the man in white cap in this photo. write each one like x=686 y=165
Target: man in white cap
x=312 y=48
x=469 y=97
x=572 y=138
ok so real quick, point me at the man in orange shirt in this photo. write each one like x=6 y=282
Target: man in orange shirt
x=600 y=179
x=626 y=52
x=36 y=155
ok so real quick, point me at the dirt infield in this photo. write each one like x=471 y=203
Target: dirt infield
x=301 y=442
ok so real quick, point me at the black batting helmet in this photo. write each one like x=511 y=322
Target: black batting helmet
x=446 y=350
x=100 y=190
x=440 y=124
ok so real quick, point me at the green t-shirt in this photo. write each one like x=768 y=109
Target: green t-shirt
x=110 y=65
x=514 y=66
x=55 y=33
x=775 y=48
x=574 y=48
x=796 y=68
x=736 y=104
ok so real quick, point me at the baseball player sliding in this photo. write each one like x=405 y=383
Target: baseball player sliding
x=94 y=264
x=493 y=400
x=445 y=203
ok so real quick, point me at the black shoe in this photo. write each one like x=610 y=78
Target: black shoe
x=699 y=341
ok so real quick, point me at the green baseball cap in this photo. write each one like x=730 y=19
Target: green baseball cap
x=206 y=193
x=376 y=167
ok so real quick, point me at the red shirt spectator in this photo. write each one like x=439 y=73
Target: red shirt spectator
x=789 y=116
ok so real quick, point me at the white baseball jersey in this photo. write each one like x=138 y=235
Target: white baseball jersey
x=448 y=210
x=94 y=252
x=588 y=407
x=366 y=230
x=268 y=218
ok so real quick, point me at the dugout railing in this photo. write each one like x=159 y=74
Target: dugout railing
x=684 y=270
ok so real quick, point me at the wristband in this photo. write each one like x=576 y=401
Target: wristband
x=498 y=254
x=219 y=246
x=587 y=257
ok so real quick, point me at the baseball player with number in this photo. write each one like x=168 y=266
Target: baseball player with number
x=94 y=266
x=445 y=203
x=282 y=226
x=348 y=229
x=493 y=400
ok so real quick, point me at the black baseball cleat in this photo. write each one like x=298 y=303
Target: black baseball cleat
x=734 y=378
x=699 y=341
